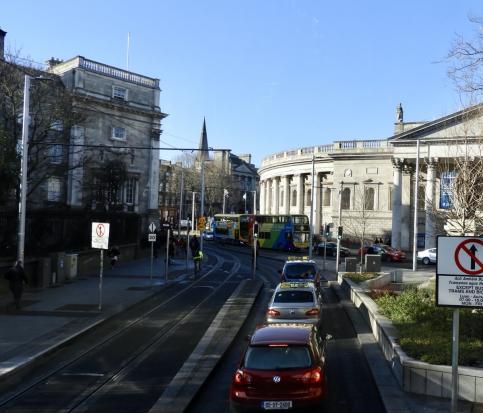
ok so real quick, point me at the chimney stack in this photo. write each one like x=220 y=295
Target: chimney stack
x=2 y=44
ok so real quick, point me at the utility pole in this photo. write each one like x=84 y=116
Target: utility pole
x=415 y=223
x=339 y=224
x=202 y=209
x=181 y=200
x=311 y=233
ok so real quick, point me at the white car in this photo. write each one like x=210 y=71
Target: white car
x=428 y=256
x=208 y=235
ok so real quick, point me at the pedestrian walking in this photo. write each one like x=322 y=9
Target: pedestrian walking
x=194 y=245
x=197 y=259
x=114 y=253
x=16 y=278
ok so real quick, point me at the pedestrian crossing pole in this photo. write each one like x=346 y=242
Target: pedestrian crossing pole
x=100 y=279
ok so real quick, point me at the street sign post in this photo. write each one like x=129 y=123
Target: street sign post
x=152 y=240
x=459 y=283
x=459 y=272
x=100 y=240
x=152 y=227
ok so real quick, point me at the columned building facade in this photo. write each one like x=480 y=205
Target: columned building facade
x=369 y=186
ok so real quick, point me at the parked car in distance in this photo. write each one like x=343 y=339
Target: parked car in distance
x=386 y=252
x=185 y=223
x=283 y=368
x=294 y=302
x=300 y=269
x=331 y=249
x=208 y=235
x=428 y=256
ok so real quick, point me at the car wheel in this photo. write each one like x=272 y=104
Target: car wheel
x=426 y=261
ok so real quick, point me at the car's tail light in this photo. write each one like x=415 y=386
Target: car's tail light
x=273 y=313
x=313 y=376
x=242 y=377
x=313 y=311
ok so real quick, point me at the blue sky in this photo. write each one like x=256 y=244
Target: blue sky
x=268 y=75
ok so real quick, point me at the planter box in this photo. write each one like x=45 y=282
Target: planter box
x=413 y=375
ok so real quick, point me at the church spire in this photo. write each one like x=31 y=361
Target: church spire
x=203 y=144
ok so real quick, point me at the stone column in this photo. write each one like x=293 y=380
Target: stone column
x=300 y=193
x=262 y=197
x=276 y=193
x=286 y=195
x=429 y=238
x=396 y=203
x=268 y=197
x=406 y=220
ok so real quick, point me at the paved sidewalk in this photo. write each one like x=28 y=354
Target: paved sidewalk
x=52 y=316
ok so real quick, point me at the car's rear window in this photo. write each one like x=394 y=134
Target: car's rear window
x=293 y=296
x=276 y=358
x=299 y=271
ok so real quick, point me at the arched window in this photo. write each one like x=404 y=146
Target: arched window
x=294 y=197
x=309 y=198
x=346 y=198
x=327 y=197
x=369 y=199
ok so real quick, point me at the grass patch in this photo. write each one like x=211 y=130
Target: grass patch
x=425 y=330
x=360 y=276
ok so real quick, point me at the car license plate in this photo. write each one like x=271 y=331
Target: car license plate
x=277 y=405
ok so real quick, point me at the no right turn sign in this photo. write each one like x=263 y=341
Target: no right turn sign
x=459 y=272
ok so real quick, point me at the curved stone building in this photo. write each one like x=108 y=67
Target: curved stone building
x=370 y=183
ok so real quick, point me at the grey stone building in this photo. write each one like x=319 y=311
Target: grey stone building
x=123 y=124
x=372 y=182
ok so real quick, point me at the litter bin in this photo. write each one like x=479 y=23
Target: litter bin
x=70 y=266
x=351 y=264
x=58 y=275
x=373 y=263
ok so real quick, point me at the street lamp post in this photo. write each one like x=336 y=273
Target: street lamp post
x=311 y=229
x=23 y=170
x=339 y=224
x=415 y=223
x=202 y=209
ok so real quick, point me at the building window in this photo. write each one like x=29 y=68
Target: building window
x=53 y=189
x=55 y=153
x=118 y=133
x=130 y=191
x=446 y=189
x=57 y=126
x=294 y=197
x=309 y=198
x=327 y=197
x=281 y=198
x=346 y=198
x=119 y=93
x=369 y=199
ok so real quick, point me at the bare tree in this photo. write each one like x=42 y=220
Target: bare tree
x=52 y=116
x=466 y=57
x=358 y=220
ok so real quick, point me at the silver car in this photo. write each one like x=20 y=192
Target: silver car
x=294 y=302
x=428 y=256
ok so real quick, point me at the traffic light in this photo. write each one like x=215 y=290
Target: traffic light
x=327 y=230
x=339 y=233
x=255 y=230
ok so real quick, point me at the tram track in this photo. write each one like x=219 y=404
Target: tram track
x=84 y=377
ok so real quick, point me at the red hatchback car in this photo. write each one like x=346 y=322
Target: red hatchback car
x=283 y=368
